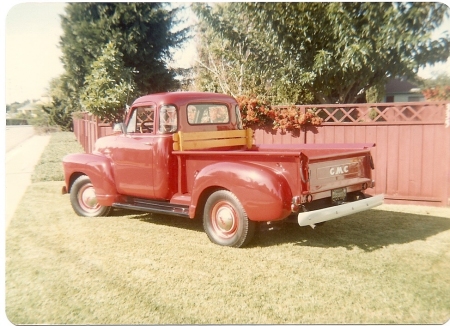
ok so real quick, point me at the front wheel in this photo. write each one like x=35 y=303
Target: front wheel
x=83 y=199
x=225 y=220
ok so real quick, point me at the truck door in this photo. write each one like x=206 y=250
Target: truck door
x=132 y=155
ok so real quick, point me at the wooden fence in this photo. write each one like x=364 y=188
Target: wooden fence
x=412 y=153
x=88 y=129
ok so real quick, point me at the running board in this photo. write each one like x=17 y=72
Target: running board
x=149 y=206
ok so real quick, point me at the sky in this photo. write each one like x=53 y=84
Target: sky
x=32 y=55
x=31 y=49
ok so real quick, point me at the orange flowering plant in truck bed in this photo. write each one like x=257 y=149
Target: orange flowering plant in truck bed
x=291 y=119
x=259 y=113
x=255 y=112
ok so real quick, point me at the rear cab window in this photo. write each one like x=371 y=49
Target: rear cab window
x=208 y=113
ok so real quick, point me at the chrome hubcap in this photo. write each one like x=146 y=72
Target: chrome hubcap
x=87 y=198
x=224 y=220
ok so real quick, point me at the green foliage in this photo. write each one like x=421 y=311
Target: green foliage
x=64 y=103
x=143 y=36
x=142 y=32
x=12 y=108
x=56 y=117
x=231 y=54
x=320 y=52
x=42 y=122
x=376 y=93
x=108 y=86
x=16 y=122
x=442 y=79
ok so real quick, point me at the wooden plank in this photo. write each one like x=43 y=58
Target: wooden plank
x=404 y=164
x=415 y=158
x=339 y=134
x=249 y=138
x=380 y=153
x=349 y=134
x=428 y=160
x=440 y=166
x=212 y=143
x=204 y=135
x=329 y=135
x=360 y=134
x=392 y=160
x=212 y=139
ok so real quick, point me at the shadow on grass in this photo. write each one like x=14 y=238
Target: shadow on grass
x=160 y=219
x=368 y=231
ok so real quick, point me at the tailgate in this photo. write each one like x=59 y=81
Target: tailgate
x=341 y=174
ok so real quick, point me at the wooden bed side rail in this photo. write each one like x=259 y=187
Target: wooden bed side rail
x=183 y=141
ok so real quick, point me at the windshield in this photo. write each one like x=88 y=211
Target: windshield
x=141 y=120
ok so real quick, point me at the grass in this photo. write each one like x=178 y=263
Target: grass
x=381 y=266
x=50 y=167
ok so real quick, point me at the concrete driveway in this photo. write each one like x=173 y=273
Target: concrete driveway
x=23 y=151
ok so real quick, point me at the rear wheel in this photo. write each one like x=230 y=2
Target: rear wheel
x=225 y=220
x=83 y=199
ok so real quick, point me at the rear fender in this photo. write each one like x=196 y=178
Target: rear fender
x=264 y=193
x=98 y=169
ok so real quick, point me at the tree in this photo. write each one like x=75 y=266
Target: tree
x=335 y=51
x=108 y=86
x=230 y=54
x=59 y=112
x=223 y=49
x=142 y=32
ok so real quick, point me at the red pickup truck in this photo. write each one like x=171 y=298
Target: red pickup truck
x=187 y=154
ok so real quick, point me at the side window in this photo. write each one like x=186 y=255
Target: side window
x=168 y=120
x=238 y=118
x=191 y=111
x=142 y=120
x=207 y=113
x=131 y=127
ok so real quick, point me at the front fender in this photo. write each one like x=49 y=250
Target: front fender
x=263 y=192
x=98 y=169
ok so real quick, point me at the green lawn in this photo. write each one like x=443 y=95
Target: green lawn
x=49 y=167
x=381 y=266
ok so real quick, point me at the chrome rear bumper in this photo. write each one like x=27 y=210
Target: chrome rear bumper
x=330 y=213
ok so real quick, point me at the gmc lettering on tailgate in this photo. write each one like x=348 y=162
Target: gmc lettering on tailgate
x=337 y=170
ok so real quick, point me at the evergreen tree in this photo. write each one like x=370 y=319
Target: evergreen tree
x=59 y=112
x=142 y=32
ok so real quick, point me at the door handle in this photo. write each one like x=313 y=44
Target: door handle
x=149 y=144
